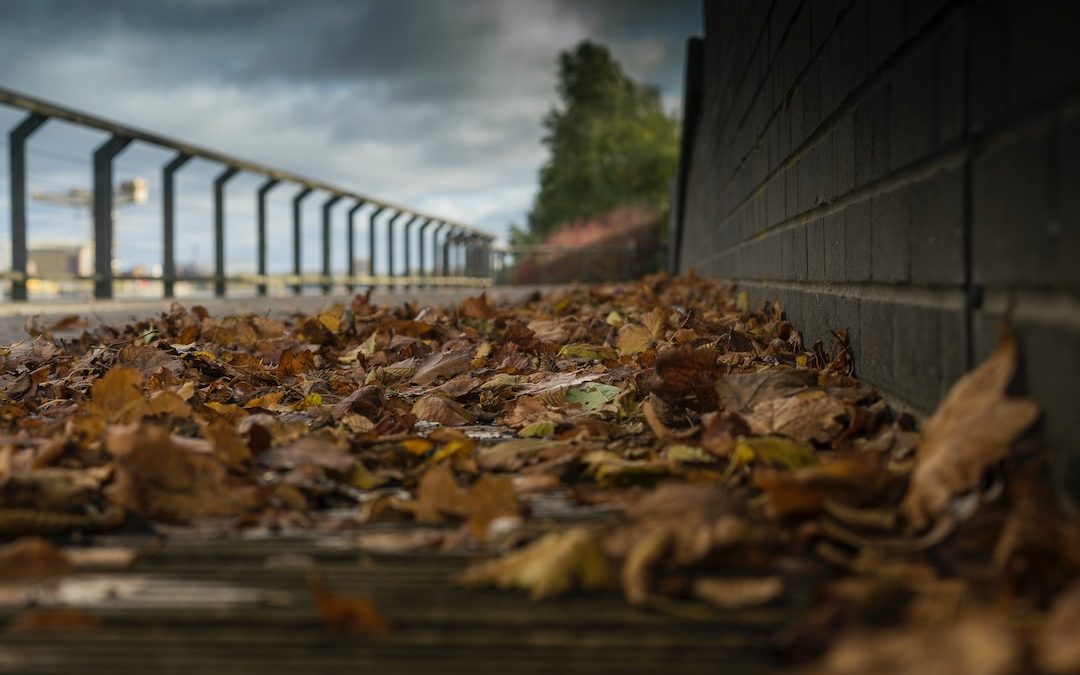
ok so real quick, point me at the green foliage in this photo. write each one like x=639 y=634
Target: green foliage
x=610 y=143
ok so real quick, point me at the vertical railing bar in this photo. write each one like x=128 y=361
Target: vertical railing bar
x=219 y=229
x=17 y=168
x=435 y=252
x=390 y=248
x=298 y=265
x=260 y=233
x=103 y=214
x=420 y=248
x=168 y=222
x=327 y=285
x=350 y=246
x=408 y=246
x=371 y=242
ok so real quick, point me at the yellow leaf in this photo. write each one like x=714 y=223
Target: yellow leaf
x=775 y=451
x=331 y=320
x=585 y=351
x=454 y=448
x=632 y=339
x=418 y=446
x=363 y=479
x=229 y=411
x=613 y=319
x=538 y=429
x=550 y=566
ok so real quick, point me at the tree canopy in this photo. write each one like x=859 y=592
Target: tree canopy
x=610 y=144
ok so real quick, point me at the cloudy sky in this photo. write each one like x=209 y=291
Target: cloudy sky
x=432 y=103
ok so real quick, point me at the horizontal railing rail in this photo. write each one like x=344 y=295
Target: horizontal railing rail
x=462 y=258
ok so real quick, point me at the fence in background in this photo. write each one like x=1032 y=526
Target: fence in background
x=453 y=254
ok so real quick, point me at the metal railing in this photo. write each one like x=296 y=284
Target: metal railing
x=462 y=259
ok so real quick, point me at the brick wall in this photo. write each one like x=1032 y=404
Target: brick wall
x=908 y=170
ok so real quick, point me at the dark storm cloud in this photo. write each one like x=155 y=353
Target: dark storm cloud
x=432 y=102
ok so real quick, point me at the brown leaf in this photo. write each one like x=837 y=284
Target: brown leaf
x=741 y=392
x=550 y=566
x=441 y=365
x=974 y=643
x=811 y=416
x=159 y=479
x=738 y=592
x=54 y=620
x=354 y=614
x=1057 y=648
x=31 y=559
x=476 y=307
x=972 y=429
x=442 y=410
x=632 y=339
x=117 y=396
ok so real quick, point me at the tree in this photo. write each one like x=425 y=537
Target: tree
x=610 y=143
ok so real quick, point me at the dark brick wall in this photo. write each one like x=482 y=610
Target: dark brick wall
x=908 y=170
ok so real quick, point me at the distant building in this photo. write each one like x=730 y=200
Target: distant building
x=51 y=260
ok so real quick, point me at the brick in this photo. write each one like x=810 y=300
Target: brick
x=953 y=350
x=890 y=248
x=815 y=250
x=950 y=73
x=857 y=232
x=791 y=190
x=1014 y=231
x=874 y=353
x=843 y=156
x=912 y=107
x=989 y=96
x=1043 y=52
x=811 y=87
x=1068 y=197
x=886 y=30
x=775 y=200
x=916 y=349
x=799 y=254
x=833 y=247
x=919 y=12
x=937 y=229
x=823 y=15
x=786 y=245
x=878 y=109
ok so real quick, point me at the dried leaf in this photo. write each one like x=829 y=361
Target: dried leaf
x=632 y=339
x=551 y=566
x=591 y=352
x=971 y=430
x=738 y=593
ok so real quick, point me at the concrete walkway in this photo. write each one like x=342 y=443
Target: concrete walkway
x=14 y=316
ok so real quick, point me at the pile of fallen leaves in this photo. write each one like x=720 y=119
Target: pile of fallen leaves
x=659 y=437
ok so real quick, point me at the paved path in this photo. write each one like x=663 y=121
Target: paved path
x=13 y=316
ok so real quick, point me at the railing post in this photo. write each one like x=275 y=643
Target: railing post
x=371 y=244
x=408 y=246
x=260 y=234
x=298 y=266
x=445 y=268
x=327 y=285
x=219 y=229
x=435 y=252
x=103 y=214
x=350 y=246
x=390 y=249
x=420 y=250
x=17 y=145
x=168 y=222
